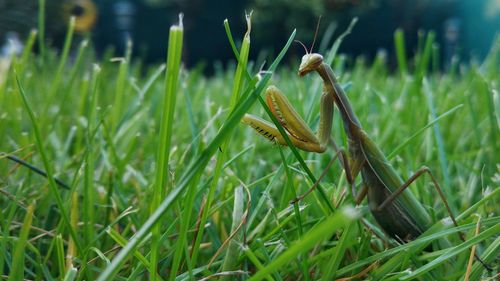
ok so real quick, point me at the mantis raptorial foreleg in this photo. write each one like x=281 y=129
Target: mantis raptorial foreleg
x=298 y=131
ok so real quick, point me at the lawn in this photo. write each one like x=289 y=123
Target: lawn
x=158 y=179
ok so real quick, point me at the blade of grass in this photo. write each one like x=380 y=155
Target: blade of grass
x=89 y=167
x=439 y=141
x=435 y=58
x=63 y=60
x=60 y=255
x=71 y=251
x=17 y=270
x=488 y=197
x=426 y=55
x=121 y=80
x=327 y=37
x=492 y=113
x=420 y=131
x=255 y=261
x=399 y=44
x=27 y=51
x=161 y=186
x=48 y=168
x=41 y=28
x=289 y=186
x=70 y=274
x=76 y=67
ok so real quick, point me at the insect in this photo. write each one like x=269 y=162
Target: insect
x=397 y=211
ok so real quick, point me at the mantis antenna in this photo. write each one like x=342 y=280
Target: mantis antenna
x=315 y=34
x=314 y=40
x=304 y=46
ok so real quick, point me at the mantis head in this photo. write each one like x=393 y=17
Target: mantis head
x=310 y=62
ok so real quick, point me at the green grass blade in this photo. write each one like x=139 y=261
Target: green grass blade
x=27 y=52
x=89 y=188
x=336 y=45
x=255 y=261
x=426 y=54
x=420 y=131
x=399 y=44
x=119 y=93
x=60 y=255
x=17 y=270
x=41 y=28
x=71 y=274
x=443 y=161
x=48 y=168
x=64 y=57
x=161 y=186
x=495 y=194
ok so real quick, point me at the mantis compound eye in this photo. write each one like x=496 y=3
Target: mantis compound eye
x=310 y=62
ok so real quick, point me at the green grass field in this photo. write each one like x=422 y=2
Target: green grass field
x=163 y=182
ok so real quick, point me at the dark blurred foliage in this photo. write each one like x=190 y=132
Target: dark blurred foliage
x=147 y=24
x=21 y=16
x=462 y=26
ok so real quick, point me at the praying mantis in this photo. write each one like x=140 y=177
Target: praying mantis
x=394 y=208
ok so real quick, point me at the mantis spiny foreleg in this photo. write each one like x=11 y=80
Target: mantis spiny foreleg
x=298 y=131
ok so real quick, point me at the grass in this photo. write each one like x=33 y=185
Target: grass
x=164 y=183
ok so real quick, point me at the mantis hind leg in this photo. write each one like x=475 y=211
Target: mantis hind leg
x=413 y=178
x=425 y=170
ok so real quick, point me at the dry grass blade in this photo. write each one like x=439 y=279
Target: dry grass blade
x=360 y=274
x=236 y=230
x=225 y=273
x=472 y=253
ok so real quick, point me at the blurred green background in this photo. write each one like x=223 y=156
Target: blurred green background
x=465 y=28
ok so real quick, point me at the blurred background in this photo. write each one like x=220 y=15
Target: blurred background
x=464 y=28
